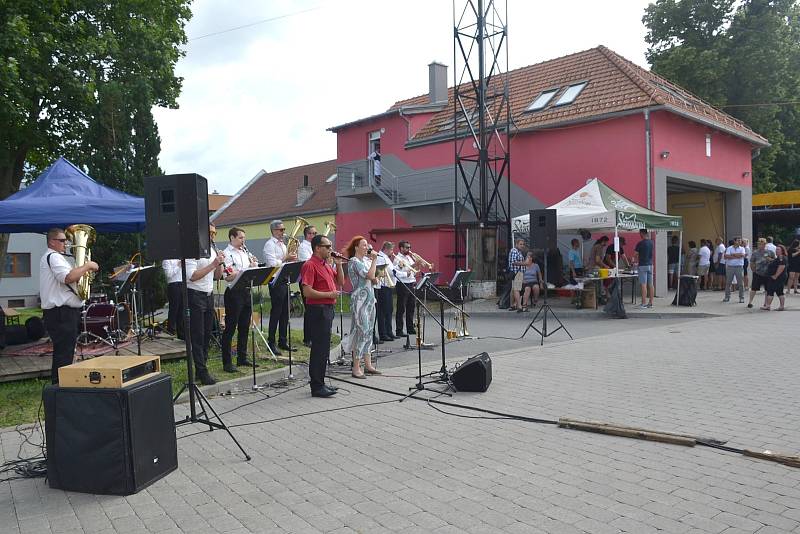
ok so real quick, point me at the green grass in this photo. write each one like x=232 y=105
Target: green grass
x=19 y=401
x=27 y=313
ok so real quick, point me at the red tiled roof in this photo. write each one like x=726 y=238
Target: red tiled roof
x=215 y=201
x=615 y=85
x=274 y=195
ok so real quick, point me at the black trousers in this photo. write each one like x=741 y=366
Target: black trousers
x=175 y=299
x=405 y=306
x=383 y=297
x=279 y=314
x=62 y=327
x=238 y=312
x=320 y=319
x=201 y=321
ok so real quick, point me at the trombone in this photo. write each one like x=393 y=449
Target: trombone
x=421 y=261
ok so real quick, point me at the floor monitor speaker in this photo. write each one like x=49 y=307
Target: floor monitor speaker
x=110 y=441
x=543 y=229
x=176 y=216
x=474 y=374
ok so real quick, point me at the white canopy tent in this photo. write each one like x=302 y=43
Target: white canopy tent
x=597 y=207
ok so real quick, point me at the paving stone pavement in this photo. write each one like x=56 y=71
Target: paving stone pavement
x=364 y=462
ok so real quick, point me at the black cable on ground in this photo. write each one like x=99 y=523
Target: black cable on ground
x=33 y=466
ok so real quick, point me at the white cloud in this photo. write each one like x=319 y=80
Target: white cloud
x=263 y=96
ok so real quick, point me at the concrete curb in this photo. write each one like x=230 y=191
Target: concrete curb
x=245 y=383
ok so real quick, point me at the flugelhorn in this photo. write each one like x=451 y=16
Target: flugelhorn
x=81 y=236
x=328 y=227
x=293 y=244
x=384 y=276
x=422 y=261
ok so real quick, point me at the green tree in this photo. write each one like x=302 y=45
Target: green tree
x=79 y=78
x=742 y=57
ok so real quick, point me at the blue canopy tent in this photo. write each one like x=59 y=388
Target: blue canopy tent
x=64 y=195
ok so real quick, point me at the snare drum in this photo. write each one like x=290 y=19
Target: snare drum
x=98 y=298
x=103 y=318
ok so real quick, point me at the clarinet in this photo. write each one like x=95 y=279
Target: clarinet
x=227 y=269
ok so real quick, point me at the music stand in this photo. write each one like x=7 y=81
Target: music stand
x=245 y=280
x=133 y=280
x=460 y=280
x=543 y=311
x=289 y=273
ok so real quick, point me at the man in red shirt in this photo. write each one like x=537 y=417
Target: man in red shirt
x=320 y=282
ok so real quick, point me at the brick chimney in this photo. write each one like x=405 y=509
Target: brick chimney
x=437 y=83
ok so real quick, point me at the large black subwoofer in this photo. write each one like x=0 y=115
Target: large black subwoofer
x=474 y=374
x=110 y=441
x=176 y=213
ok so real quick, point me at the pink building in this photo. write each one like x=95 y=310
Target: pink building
x=589 y=114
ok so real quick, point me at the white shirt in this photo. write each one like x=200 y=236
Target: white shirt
x=705 y=256
x=721 y=253
x=304 y=250
x=172 y=269
x=376 y=163
x=236 y=258
x=735 y=262
x=205 y=284
x=772 y=248
x=52 y=289
x=274 y=252
x=402 y=273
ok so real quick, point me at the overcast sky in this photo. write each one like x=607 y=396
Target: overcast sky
x=262 y=97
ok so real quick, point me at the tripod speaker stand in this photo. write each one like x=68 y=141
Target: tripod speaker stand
x=544 y=311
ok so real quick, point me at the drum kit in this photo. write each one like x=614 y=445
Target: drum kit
x=111 y=314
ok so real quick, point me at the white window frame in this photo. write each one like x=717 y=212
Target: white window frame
x=580 y=85
x=708 y=145
x=551 y=92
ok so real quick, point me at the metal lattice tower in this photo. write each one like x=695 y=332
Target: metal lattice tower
x=481 y=119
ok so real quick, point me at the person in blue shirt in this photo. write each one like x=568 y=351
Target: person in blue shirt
x=575 y=260
x=644 y=257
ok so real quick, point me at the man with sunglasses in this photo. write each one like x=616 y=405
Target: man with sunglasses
x=61 y=305
x=275 y=255
x=320 y=288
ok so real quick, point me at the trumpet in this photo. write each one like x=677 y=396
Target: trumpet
x=406 y=267
x=421 y=261
x=328 y=227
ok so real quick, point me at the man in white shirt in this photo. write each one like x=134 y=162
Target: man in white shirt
x=275 y=255
x=304 y=250
x=304 y=254
x=201 y=274
x=704 y=263
x=383 y=293
x=238 y=308
x=771 y=245
x=61 y=305
x=375 y=157
x=734 y=266
x=719 y=264
x=406 y=279
x=172 y=270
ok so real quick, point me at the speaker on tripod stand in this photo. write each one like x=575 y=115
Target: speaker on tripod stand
x=543 y=230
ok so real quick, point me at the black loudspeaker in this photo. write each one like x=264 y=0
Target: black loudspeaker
x=543 y=229
x=110 y=441
x=176 y=214
x=474 y=374
x=34 y=328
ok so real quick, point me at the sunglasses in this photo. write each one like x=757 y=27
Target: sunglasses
x=64 y=240
x=324 y=246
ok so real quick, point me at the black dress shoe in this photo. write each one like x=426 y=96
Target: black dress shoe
x=206 y=379
x=323 y=392
x=412 y=332
x=387 y=338
x=399 y=333
x=244 y=362
x=230 y=368
x=285 y=346
x=275 y=350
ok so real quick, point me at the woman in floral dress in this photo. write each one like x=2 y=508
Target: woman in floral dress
x=361 y=271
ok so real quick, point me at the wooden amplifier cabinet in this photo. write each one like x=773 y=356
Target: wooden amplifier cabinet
x=109 y=371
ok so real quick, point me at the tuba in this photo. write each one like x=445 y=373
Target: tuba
x=328 y=227
x=81 y=236
x=293 y=244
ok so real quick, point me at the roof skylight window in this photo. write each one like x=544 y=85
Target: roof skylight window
x=569 y=96
x=542 y=100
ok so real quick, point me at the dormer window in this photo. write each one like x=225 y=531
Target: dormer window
x=571 y=93
x=542 y=100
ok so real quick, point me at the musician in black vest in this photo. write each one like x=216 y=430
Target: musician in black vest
x=61 y=305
